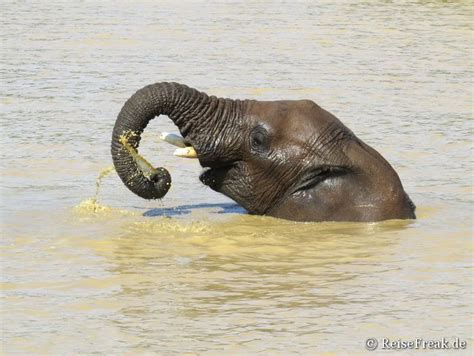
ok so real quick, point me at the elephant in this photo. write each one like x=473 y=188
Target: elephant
x=287 y=159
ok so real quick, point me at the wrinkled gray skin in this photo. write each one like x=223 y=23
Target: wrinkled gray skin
x=287 y=159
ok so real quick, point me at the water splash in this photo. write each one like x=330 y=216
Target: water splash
x=104 y=173
x=92 y=205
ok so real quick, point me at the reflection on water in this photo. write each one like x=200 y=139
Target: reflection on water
x=111 y=273
x=222 y=208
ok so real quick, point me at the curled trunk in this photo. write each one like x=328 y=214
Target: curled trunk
x=199 y=117
x=172 y=99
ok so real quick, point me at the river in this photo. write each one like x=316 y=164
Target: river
x=193 y=274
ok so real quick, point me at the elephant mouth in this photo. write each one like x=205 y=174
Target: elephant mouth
x=206 y=176
x=214 y=172
x=214 y=177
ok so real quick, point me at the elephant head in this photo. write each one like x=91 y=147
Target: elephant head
x=289 y=159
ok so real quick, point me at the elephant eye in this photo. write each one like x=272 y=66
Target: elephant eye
x=259 y=139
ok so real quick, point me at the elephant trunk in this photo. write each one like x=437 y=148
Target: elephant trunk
x=193 y=112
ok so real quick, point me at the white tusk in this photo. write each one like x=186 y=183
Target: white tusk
x=173 y=139
x=187 y=152
x=177 y=140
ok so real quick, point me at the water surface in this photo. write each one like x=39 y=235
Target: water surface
x=193 y=273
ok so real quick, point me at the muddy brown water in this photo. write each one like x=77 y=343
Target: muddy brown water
x=193 y=273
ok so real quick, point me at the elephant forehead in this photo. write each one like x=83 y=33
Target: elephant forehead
x=295 y=117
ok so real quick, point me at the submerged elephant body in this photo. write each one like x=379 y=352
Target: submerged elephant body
x=289 y=159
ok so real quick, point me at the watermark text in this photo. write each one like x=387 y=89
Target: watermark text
x=384 y=343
